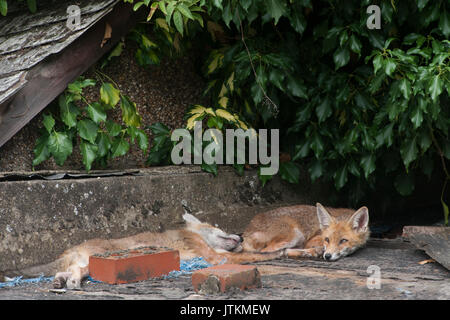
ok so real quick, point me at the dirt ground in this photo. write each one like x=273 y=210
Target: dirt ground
x=401 y=278
x=161 y=93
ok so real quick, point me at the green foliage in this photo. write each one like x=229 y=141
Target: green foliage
x=359 y=108
x=32 y=6
x=86 y=124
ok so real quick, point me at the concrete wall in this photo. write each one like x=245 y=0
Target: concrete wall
x=41 y=218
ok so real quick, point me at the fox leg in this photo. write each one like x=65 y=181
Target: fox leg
x=61 y=279
x=71 y=278
x=313 y=249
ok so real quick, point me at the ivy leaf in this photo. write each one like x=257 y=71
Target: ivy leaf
x=142 y=139
x=68 y=112
x=103 y=144
x=129 y=112
x=367 y=163
x=341 y=57
x=315 y=170
x=275 y=8
x=263 y=178
x=296 y=87
x=340 y=177
x=377 y=63
x=113 y=128
x=444 y=23
x=389 y=66
x=416 y=117
x=289 y=172
x=324 y=109
x=405 y=88
x=87 y=129
x=48 y=122
x=355 y=44
x=96 y=112
x=408 y=151
x=211 y=168
x=3 y=7
x=109 y=95
x=41 y=152
x=60 y=146
x=120 y=147
x=185 y=11
x=178 y=21
x=89 y=153
x=435 y=88
x=317 y=145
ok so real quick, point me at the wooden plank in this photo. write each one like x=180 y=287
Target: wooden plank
x=48 y=79
x=435 y=241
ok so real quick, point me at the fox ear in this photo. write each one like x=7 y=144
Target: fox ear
x=324 y=217
x=360 y=219
x=190 y=219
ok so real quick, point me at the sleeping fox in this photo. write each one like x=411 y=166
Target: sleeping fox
x=295 y=231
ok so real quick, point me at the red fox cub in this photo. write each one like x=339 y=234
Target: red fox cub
x=308 y=231
x=296 y=231
x=197 y=239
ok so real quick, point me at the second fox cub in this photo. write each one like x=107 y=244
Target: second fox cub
x=308 y=231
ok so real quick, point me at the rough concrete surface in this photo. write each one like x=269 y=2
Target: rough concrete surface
x=402 y=278
x=41 y=218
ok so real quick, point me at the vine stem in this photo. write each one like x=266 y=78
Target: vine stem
x=275 y=107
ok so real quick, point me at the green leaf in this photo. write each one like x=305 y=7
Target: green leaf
x=178 y=21
x=3 y=7
x=404 y=183
x=416 y=117
x=317 y=145
x=405 y=88
x=324 y=109
x=89 y=153
x=103 y=144
x=185 y=11
x=240 y=169
x=341 y=57
x=367 y=163
x=316 y=170
x=68 y=111
x=129 y=112
x=96 y=112
x=159 y=129
x=48 y=122
x=60 y=146
x=377 y=63
x=142 y=139
x=296 y=87
x=109 y=95
x=298 y=21
x=41 y=152
x=263 y=178
x=275 y=8
x=211 y=168
x=408 y=151
x=120 y=147
x=444 y=23
x=435 y=88
x=355 y=44
x=340 y=177
x=87 y=129
x=290 y=172
x=385 y=136
x=32 y=5
x=113 y=128
x=389 y=66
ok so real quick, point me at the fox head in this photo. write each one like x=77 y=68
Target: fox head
x=217 y=239
x=342 y=237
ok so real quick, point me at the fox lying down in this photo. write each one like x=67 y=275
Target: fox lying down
x=294 y=231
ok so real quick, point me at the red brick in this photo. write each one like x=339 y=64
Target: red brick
x=223 y=277
x=133 y=265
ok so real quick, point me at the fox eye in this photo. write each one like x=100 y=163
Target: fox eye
x=327 y=240
x=343 y=240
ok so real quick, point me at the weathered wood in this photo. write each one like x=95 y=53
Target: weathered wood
x=435 y=241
